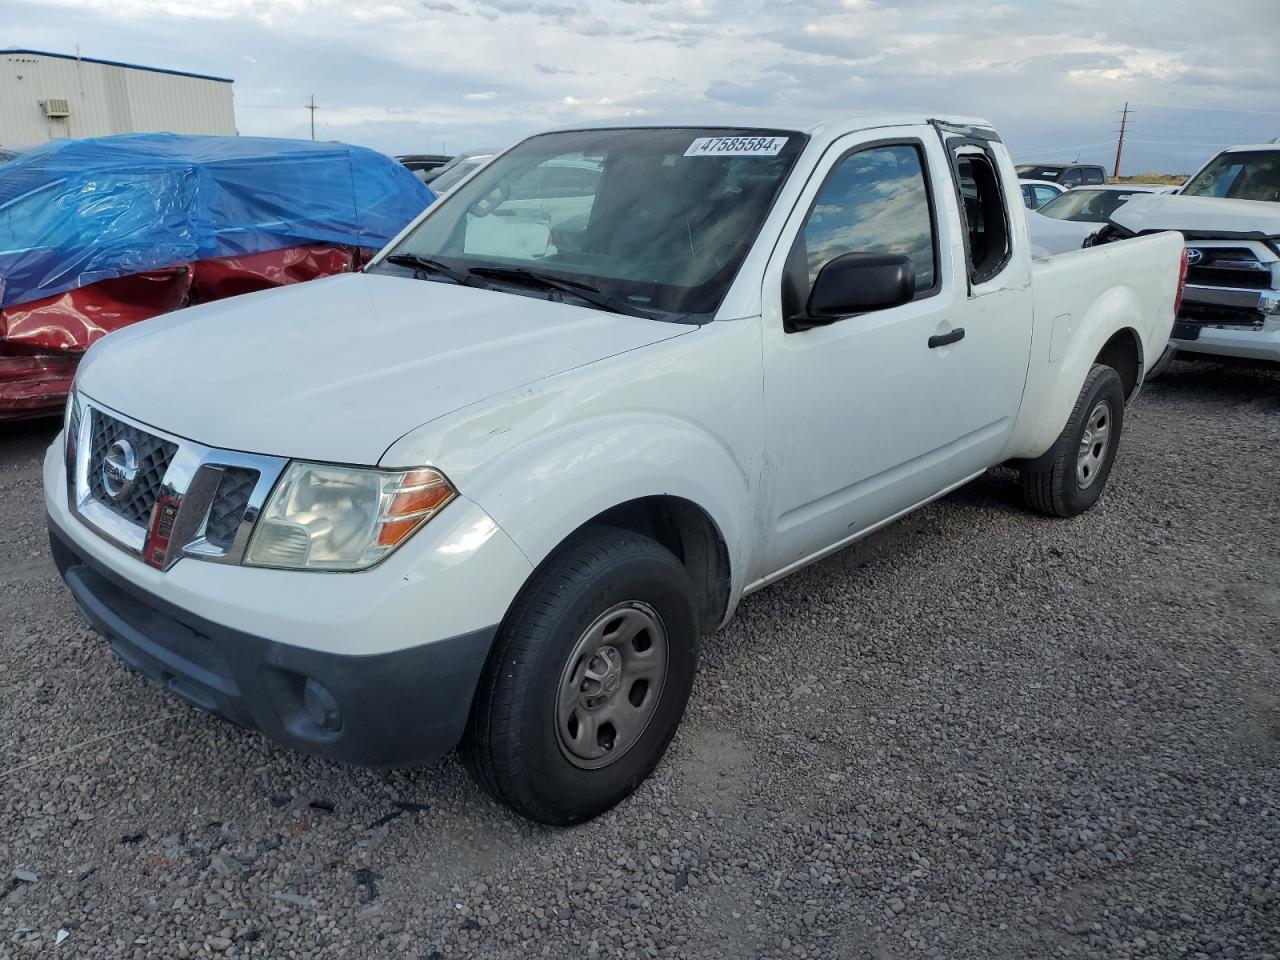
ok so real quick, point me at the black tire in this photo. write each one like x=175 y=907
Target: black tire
x=512 y=745
x=1050 y=484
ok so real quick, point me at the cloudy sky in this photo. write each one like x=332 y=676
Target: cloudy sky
x=413 y=75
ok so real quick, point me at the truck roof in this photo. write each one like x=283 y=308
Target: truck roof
x=1056 y=164
x=1252 y=147
x=816 y=125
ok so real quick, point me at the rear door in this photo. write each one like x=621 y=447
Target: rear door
x=987 y=370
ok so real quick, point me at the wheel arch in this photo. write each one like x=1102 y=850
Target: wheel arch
x=1123 y=353
x=683 y=527
x=688 y=531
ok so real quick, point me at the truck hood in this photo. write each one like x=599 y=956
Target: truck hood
x=338 y=369
x=1200 y=218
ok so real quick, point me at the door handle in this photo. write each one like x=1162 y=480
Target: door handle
x=942 y=339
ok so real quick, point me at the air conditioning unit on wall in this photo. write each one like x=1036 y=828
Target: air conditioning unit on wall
x=56 y=108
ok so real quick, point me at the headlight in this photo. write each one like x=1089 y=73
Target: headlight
x=323 y=517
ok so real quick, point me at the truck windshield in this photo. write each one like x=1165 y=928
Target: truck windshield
x=1239 y=175
x=654 y=221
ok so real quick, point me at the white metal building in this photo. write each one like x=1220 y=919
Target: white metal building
x=49 y=95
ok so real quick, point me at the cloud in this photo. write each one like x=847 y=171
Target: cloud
x=403 y=75
x=757 y=94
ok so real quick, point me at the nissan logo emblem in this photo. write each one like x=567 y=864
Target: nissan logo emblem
x=1194 y=256
x=119 y=470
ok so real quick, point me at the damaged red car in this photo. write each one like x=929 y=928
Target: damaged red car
x=98 y=234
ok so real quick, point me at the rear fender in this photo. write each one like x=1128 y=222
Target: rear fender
x=1138 y=280
x=1074 y=345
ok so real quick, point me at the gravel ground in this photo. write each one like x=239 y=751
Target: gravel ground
x=979 y=734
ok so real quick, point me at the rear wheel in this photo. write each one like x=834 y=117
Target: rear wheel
x=588 y=679
x=1069 y=478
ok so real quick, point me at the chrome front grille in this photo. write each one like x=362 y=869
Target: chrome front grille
x=1235 y=284
x=1235 y=267
x=159 y=496
x=230 y=501
x=151 y=454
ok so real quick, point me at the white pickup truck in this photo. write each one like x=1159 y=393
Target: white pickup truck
x=494 y=489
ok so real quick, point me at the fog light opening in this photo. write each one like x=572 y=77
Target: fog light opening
x=321 y=706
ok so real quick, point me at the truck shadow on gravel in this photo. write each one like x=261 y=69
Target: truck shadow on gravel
x=1219 y=382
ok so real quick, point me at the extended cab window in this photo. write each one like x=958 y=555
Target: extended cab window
x=1094 y=175
x=986 y=220
x=875 y=201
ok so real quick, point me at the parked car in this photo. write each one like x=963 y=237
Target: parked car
x=494 y=491
x=453 y=172
x=1094 y=204
x=1036 y=193
x=424 y=162
x=1050 y=237
x=1067 y=174
x=1067 y=221
x=1230 y=216
x=101 y=233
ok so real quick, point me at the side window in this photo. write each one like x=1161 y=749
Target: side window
x=986 y=220
x=875 y=201
x=1072 y=178
x=1094 y=175
x=1044 y=195
x=1028 y=197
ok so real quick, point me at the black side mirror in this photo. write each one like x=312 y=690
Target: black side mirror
x=858 y=283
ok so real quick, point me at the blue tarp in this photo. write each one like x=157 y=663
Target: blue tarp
x=74 y=212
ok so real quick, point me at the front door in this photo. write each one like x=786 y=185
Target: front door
x=871 y=414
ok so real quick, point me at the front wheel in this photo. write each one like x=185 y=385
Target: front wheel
x=1069 y=478
x=588 y=679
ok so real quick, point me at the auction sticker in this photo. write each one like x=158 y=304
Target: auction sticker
x=736 y=147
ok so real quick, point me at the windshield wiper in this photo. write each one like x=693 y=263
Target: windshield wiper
x=583 y=291
x=423 y=265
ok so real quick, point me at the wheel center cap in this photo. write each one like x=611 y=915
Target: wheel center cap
x=602 y=677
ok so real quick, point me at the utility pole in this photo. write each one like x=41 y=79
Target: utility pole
x=312 y=107
x=1124 y=124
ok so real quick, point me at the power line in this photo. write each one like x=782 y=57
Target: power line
x=1184 y=106
x=1057 y=150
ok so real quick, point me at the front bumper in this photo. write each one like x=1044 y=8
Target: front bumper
x=1241 y=342
x=394 y=652
x=398 y=709
x=1229 y=322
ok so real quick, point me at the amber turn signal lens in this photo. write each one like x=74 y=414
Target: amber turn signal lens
x=393 y=531
x=418 y=495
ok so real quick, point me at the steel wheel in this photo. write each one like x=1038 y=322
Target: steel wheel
x=1093 y=444
x=611 y=685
